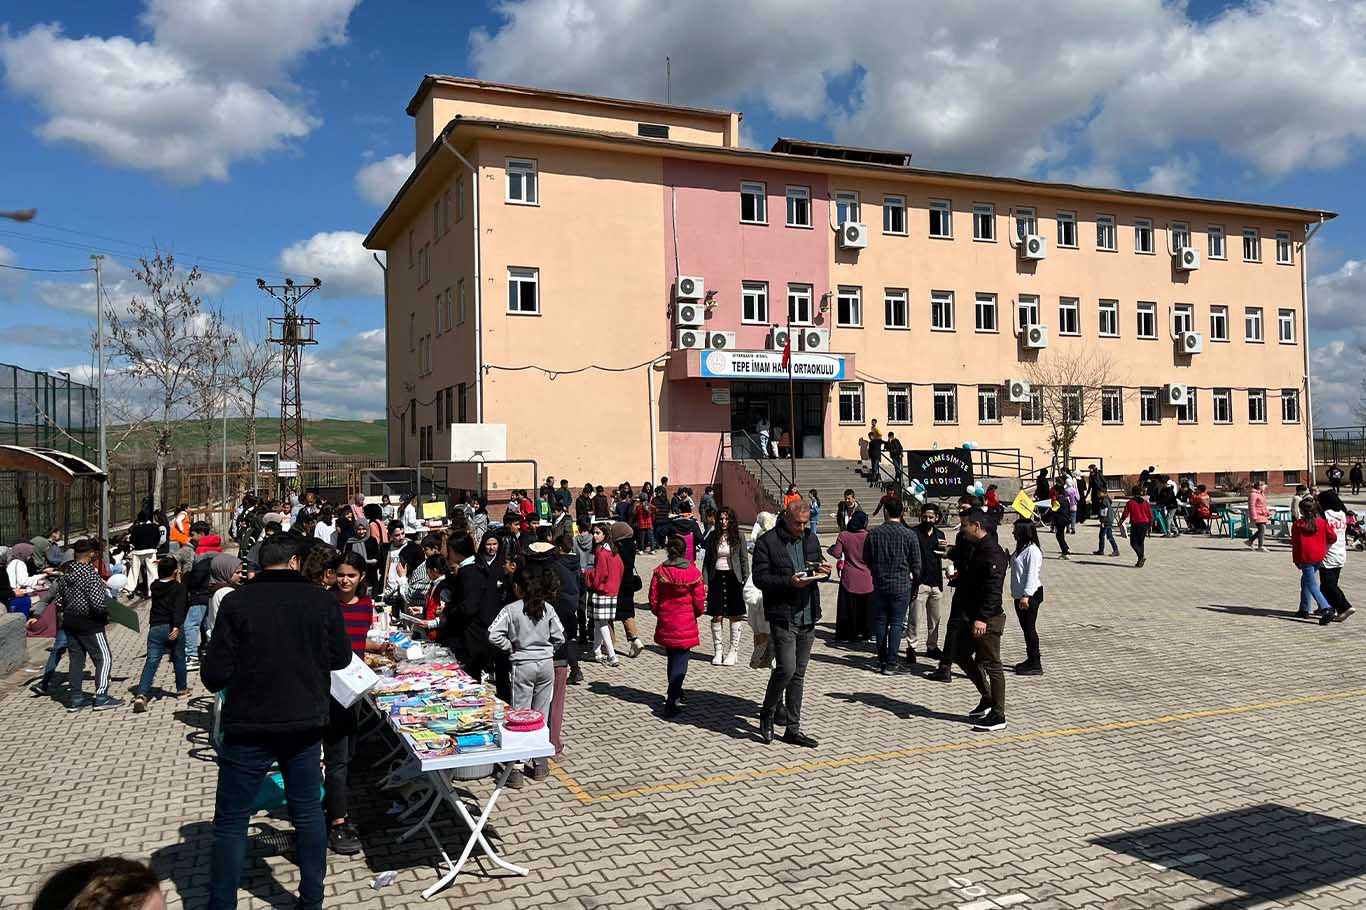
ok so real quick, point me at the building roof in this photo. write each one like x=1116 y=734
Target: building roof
x=432 y=79
x=841 y=152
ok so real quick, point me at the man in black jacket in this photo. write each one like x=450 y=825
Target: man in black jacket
x=275 y=643
x=892 y=554
x=977 y=601
x=786 y=565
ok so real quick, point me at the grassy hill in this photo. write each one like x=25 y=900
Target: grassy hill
x=321 y=437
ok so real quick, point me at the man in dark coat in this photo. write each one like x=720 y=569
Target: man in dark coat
x=977 y=603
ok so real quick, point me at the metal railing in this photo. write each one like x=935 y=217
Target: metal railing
x=1002 y=463
x=770 y=469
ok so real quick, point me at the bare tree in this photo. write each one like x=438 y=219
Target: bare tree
x=210 y=387
x=1069 y=383
x=251 y=368
x=1358 y=409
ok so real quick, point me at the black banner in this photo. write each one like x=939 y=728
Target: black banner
x=944 y=472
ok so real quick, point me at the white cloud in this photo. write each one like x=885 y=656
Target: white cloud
x=337 y=381
x=10 y=279
x=1337 y=300
x=208 y=90
x=340 y=260
x=1176 y=176
x=378 y=181
x=119 y=285
x=1335 y=373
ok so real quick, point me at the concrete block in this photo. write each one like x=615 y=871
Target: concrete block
x=12 y=640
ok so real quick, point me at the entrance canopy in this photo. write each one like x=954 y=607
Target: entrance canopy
x=62 y=467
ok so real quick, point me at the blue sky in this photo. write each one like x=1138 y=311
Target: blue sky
x=113 y=130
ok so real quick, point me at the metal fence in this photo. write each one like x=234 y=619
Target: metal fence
x=1344 y=445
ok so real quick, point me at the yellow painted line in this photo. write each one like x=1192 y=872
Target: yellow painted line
x=585 y=797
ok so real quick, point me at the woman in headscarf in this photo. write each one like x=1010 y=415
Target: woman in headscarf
x=624 y=536
x=19 y=572
x=856 y=584
x=37 y=557
x=225 y=574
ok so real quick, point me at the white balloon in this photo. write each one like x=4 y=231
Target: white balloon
x=116 y=583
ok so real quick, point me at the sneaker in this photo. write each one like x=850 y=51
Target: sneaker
x=990 y=723
x=882 y=670
x=342 y=839
x=191 y=666
x=910 y=656
x=77 y=704
x=1116 y=553
x=140 y=704
x=1097 y=552
x=40 y=688
x=575 y=677
x=515 y=780
x=982 y=710
x=612 y=661
x=1343 y=614
x=798 y=738
x=1326 y=616
x=1303 y=614
x=1065 y=556
x=182 y=693
x=1140 y=563
x=682 y=698
x=672 y=709
x=637 y=647
x=1028 y=668
x=106 y=703
x=943 y=674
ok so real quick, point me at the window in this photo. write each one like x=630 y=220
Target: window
x=1290 y=478
x=1183 y=318
x=412 y=416
x=652 y=130
x=450 y=406
x=412 y=332
x=1069 y=316
x=1290 y=405
x=846 y=207
x=753 y=203
x=1252 y=323
x=436 y=220
x=893 y=214
x=1067 y=229
x=412 y=251
x=1256 y=405
x=421 y=266
x=1223 y=406
x=1223 y=480
x=1143 y=235
x=448 y=309
x=1215 y=236
x=1218 y=323
x=898 y=404
x=439 y=314
x=1109 y=318
x=1147 y=320
x=894 y=315
x=461 y=405
x=1112 y=405
x=1285 y=326
x=1252 y=245
x=459 y=198
x=986 y=313
x=799 y=304
x=1072 y=405
x=1285 y=254
x=1149 y=410
x=849 y=307
x=851 y=402
x=1180 y=235
x=446 y=212
x=1105 y=233
x=1031 y=412
x=461 y=310
x=983 y=221
x=946 y=404
x=1027 y=306
x=1185 y=413
x=941 y=219
x=941 y=311
x=524 y=291
x=754 y=302
x=988 y=404
x=798 y=207
x=1025 y=223
x=522 y=182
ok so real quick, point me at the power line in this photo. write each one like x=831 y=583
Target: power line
x=134 y=249
x=24 y=268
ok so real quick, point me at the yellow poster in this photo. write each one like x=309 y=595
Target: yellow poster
x=1023 y=504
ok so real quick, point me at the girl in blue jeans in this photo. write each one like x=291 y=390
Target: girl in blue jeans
x=1310 y=538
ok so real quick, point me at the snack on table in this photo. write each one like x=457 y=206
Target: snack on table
x=523 y=720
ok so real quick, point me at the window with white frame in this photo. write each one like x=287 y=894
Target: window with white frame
x=1180 y=235
x=1183 y=318
x=898 y=404
x=1149 y=407
x=893 y=214
x=1285 y=326
x=1031 y=411
x=941 y=219
x=798 y=206
x=1027 y=311
x=849 y=307
x=459 y=198
x=846 y=207
x=412 y=332
x=1109 y=319
x=941 y=311
x=1105 y=233
x=1112 y=405
x=412 y=250
x=1143 y=235
x=1186 y=413
x=1072 y=405
x=426 y=262
x=1147 y=320
x=1069 y=316
x=524 y=291
x=986 y=313
x=1218 y=323
x=984 y=221
x=946 y=404
x=436 y=220
x=461 y=306
x=753 y=202
x=1067 y=229
x=1285 y=253
x=799 y=304
x=1256 y=405
x=1252 y=323
x=521 y=178
x=851 y=402
x=1214 y=235
x=1223 y=406
x=1025 y=222
x=754 y=302
x=988 y=404
x=439 y=314
x=1290 y=405
x=448 y=308
x=1252 y=245
x=446 y=212
x=895 y=313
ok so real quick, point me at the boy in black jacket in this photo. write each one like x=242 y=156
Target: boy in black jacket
x=165 y=631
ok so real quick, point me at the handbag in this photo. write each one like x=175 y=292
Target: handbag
x=636 y=583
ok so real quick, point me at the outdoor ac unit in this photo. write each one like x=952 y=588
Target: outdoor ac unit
x=1190 y=342
x=721 y=341
x=691 y=340
x=691 y=314
x=853 y=235
x=1177 y=394
x=1033 y=246
x=1187 y=259
x=814 y=339
x=777 y=339
x=1017 y=391
x=691 y=287
x=1035 y=336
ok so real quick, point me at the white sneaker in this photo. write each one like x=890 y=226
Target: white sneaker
x=637 y=647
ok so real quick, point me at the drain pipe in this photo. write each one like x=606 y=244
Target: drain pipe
x=478 y=287
x=1304 y=303
x=388 y=444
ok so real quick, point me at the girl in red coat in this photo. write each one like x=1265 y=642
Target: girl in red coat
x=1310 y=538
x=603 y=581
x=677 y=598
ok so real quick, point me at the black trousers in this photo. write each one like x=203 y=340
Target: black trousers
x=952 y=629
x=1060 y=526
x=1138 y=534
x=1328 y=584
x=1029 y=619
x=339 y=746
x=792 y=648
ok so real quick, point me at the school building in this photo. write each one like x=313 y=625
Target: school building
x=615 y=281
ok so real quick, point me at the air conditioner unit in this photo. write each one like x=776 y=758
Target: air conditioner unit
x=691 y=340
x=853 y=235
x=721 y=341
x=1017 y=391
x=1035 y=336
x=1186 y=259
x=814 y=339
x=1190 y=342
x=691 y=314
x=777 y=339
x=691 y=287
x=1033 y=246
x=1177 y=394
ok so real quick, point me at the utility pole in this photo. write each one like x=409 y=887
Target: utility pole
x=292 y=333
x=99 y=391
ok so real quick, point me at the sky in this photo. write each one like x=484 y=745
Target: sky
x=261 y=139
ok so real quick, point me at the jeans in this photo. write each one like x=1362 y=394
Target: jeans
x=1106 y=533
x=1328 y=583
x=1309 y=589
x=1072 y=522
x=792 y=649
x=159 y=644
x=889 y=621
x=980 y=659
x=59 y=647
x=339 y=746
x=194 y=625
x=97 y=646
x=932 y=598
x=678 y=669
x=1029 y=619
x=243 y=762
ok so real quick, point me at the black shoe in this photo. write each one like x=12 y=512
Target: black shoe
x=990 y=723
x=77 y=704
x=910 y=656
x=1326 y=616
x=342 y=840
x=1139 y=564
x=943 y=674
x=575 y=677
x=1097 y=552
x=798 y=738
x=766 y=728
x=672 y=709
x=882 y=670
x=40 y=688
x=682 y=698
x=934 y=654
x=1303 y=614
x=1029 y=668
x=982 y=710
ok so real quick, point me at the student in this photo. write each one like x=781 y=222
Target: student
x=1105 y=513
x=180 y=528
x=144 y=536
x=791 y=495
x=1259 y=514
x=1026 y=590
x=1062 y=517
x=645 y=523
x=107 y=883
x=601 y=507
x=894 y=455
x=707 y=507
x=1140 y=517
x=165 y=632
x=1355 y=477
x=814 y=503
x=1199 y=509
x=849 y=504
x=603 y=581
x=583 y=549
x=725 y=565
x=530 y=631
x=623 y=537
x=677 y=598
x=856 y=585
x=1335 y=513
x=84 y=618
x=930 y=590
x=1310 y=538
x=339 y=738
x=874 y=455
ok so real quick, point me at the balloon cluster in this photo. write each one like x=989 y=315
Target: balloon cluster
x=969 y=445
x=976 y=489
x=917 y=490
x=116 y=584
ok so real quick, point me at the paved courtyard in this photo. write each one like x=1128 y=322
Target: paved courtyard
x=1193 y=744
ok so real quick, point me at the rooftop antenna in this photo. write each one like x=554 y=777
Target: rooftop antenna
x=668 y=82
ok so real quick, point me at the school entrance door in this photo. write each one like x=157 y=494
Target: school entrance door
x=761 y=411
